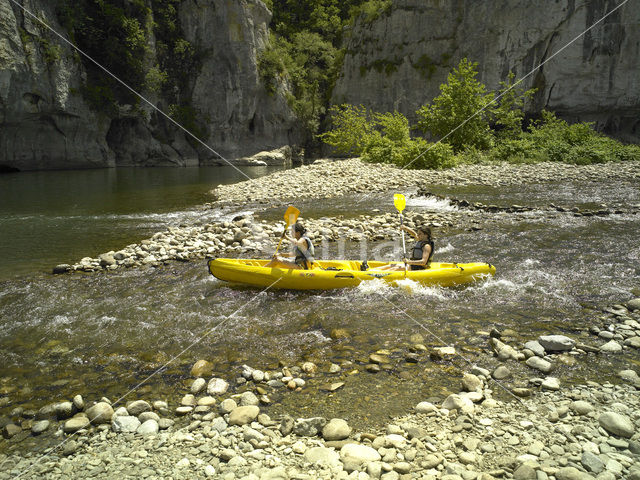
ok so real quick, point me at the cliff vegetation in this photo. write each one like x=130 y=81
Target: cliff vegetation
x=471 y=125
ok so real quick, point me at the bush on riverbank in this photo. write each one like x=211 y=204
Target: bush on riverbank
x=473 y=127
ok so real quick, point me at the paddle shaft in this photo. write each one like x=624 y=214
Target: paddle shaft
x=404 y=247
x=280 y=242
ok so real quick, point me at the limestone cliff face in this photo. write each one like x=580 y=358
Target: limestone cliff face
x=399 y=60
x=46 y=124
x=42 y=124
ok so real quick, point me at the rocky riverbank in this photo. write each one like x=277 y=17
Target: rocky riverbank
x=220 y=427
x=248 y=235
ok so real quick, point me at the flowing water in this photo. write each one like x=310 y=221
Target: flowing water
x=102 y=334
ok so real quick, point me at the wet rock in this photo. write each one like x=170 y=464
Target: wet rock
x=143 y=417
x=227 y=406
x=198 y=385
x=63 y=410
x=78 y=402
x=101 y=412
x=550 y=383
x=471 y=383
x=202 y=368
x=137 y=407
x=539 y=364
x=617 y=424
x=309 y=367
x=10 y=430
x=556 y=343
x=76 y=423
x=336 y=429
x=442 y=353
x=217 y=386
x=504 y=351
x=611 y=347
x=249 y=398
x=501 y=373
x=633 y=304
x=62 y=268
x=40 y=427
x=536 y=348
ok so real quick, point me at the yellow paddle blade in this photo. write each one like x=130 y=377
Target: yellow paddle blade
x=291 y=215
x=399 y=201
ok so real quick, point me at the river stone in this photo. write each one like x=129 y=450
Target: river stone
x=207 y=402
x=136 y=407
x=611 y=347
x=572 y=473
x=457 y=402
x=550 y=383
x=630 y=376
x=501 y=373
x=165 y=423
x=556 y=343
x=379 y=359
x=101 y=412
x=125 y=423
x=322 y=455
x=504 y=351
x=581 y=407
x=471 y=383
x=217 y=386
x=143 y=417
x=426 y=407
x=617 y=424
x=309 y=427
x=243 y=415
x=249 y=398
x=76 y=423
x=10 y=430
x=539 y=364
x=78 y=402
x=632 y=342
x=40 y=427
x=198 y=385
x=336 y=429
x=592 y=463
x=227 y=406
x=63 y=410
x=535 y=347
x=525 y=472
x=202 y=368
x=106 y=260
x=150 y=427
x=634 y=304
x=189 y=400
x=359 y=454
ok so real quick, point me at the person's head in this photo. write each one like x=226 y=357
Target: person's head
x=298 y=230
x=424 y=233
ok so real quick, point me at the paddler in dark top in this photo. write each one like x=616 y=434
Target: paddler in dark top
x=421 y=251
x=303 y=251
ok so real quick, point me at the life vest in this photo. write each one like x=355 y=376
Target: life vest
x=418 y=250
x=305 y=258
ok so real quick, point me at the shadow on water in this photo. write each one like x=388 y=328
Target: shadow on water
x=102 y=334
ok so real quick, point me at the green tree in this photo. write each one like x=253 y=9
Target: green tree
x=351 y=129
x=459 y=114
x=507 y=111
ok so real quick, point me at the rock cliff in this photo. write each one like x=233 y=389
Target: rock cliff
x=45 y=123
x=398 y=60
x=42 y=124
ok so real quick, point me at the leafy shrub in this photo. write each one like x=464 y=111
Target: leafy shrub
x=456 y=114
x=351 y=129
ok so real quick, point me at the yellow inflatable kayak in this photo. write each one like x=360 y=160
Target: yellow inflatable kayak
x=331 y=274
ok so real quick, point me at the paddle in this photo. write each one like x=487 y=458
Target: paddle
x=290 y=217
x=400 y=202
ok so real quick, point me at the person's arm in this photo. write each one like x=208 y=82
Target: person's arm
x=410 y=231
x=426 y=251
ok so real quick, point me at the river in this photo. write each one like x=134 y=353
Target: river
x=101 y=334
